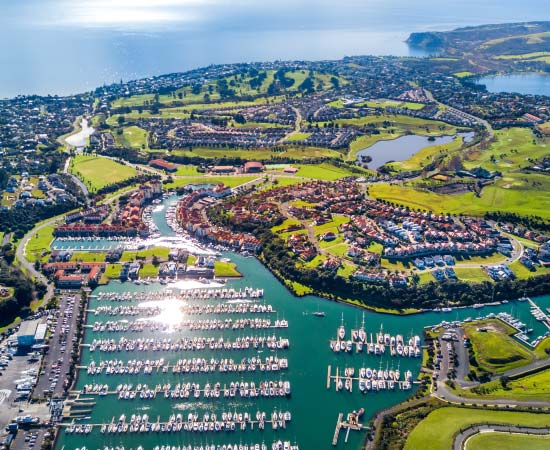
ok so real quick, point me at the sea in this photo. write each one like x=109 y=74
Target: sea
x=62 y=47
x=314 y=407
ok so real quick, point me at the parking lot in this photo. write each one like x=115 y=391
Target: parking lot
x=53 y=378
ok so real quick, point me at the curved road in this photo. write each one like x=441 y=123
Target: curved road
x=461 y=441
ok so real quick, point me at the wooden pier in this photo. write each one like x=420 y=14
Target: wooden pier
x=347 y=425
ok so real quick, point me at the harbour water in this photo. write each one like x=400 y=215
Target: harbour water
x=403 y=148
x=314 y=408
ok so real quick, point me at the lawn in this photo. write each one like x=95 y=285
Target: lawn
x=39 y=244
x=133 y=137
x=160 y=252
x=392 y=104
x=507 y=441
x=324 y=171
x=230 y=181
x=532 y=387
x=471 y=275
x=298 y=137
x=96 y=172
x=524 y=273
x=226 y=269
x=187 y=171
x=148 y=270
x=437 y=430
x=493 y=198
x=89 y=256
x=495 y=350
x=112 y=271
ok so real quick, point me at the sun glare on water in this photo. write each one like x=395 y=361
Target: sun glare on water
x=98 y=13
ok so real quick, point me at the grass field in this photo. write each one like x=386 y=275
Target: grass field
x=495 y=350
x=392 y=104
x=228 y=181
x=160 y=252
x=298 y=137
x=437 y=430
x=148 y=270
x=112 y=271
x=471 y=275
x=39 y=244
x=493 y=198
x=89 y=256
x=133 y=137
x=532 y=387
x=226 y=269
x=324 y=171
x=507 y=441
x=96 y=172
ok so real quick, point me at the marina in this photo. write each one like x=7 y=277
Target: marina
x=152 y=338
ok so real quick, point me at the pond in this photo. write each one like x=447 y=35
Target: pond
x=403 y=148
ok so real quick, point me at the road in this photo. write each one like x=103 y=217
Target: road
x=77 y=180
x=461 y=441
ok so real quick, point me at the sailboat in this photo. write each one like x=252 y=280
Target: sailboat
x=341 y=329
x=318 y=313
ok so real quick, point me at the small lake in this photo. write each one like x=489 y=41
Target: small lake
x=403 y=148
x=531 y=83
x=80 y=139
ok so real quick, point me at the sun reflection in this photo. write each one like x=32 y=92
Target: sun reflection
x=170 y=314
x=131 y=12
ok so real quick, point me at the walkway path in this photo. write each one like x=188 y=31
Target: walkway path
x=461 y=441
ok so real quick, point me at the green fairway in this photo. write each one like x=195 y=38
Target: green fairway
x=133 y=137
x=96 y=172
x=494 y=349
x=507 y=441
x=437 y=430
x=493 y=198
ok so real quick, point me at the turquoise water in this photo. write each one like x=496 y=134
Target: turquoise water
x=314 y=408
x=532 y=83
x=63 y=47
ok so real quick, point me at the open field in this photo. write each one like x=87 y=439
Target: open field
x=391 y=104
x=96 y=172
x=472 y=275
x=230 y=181
x=494 y=349
x=437 y=430
x=324 y=171
x=507 y=441
x=493 y=198
x=226 y=269
x=39 y=244
x=133 y=137
x=89 y=256
x=159 y=252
